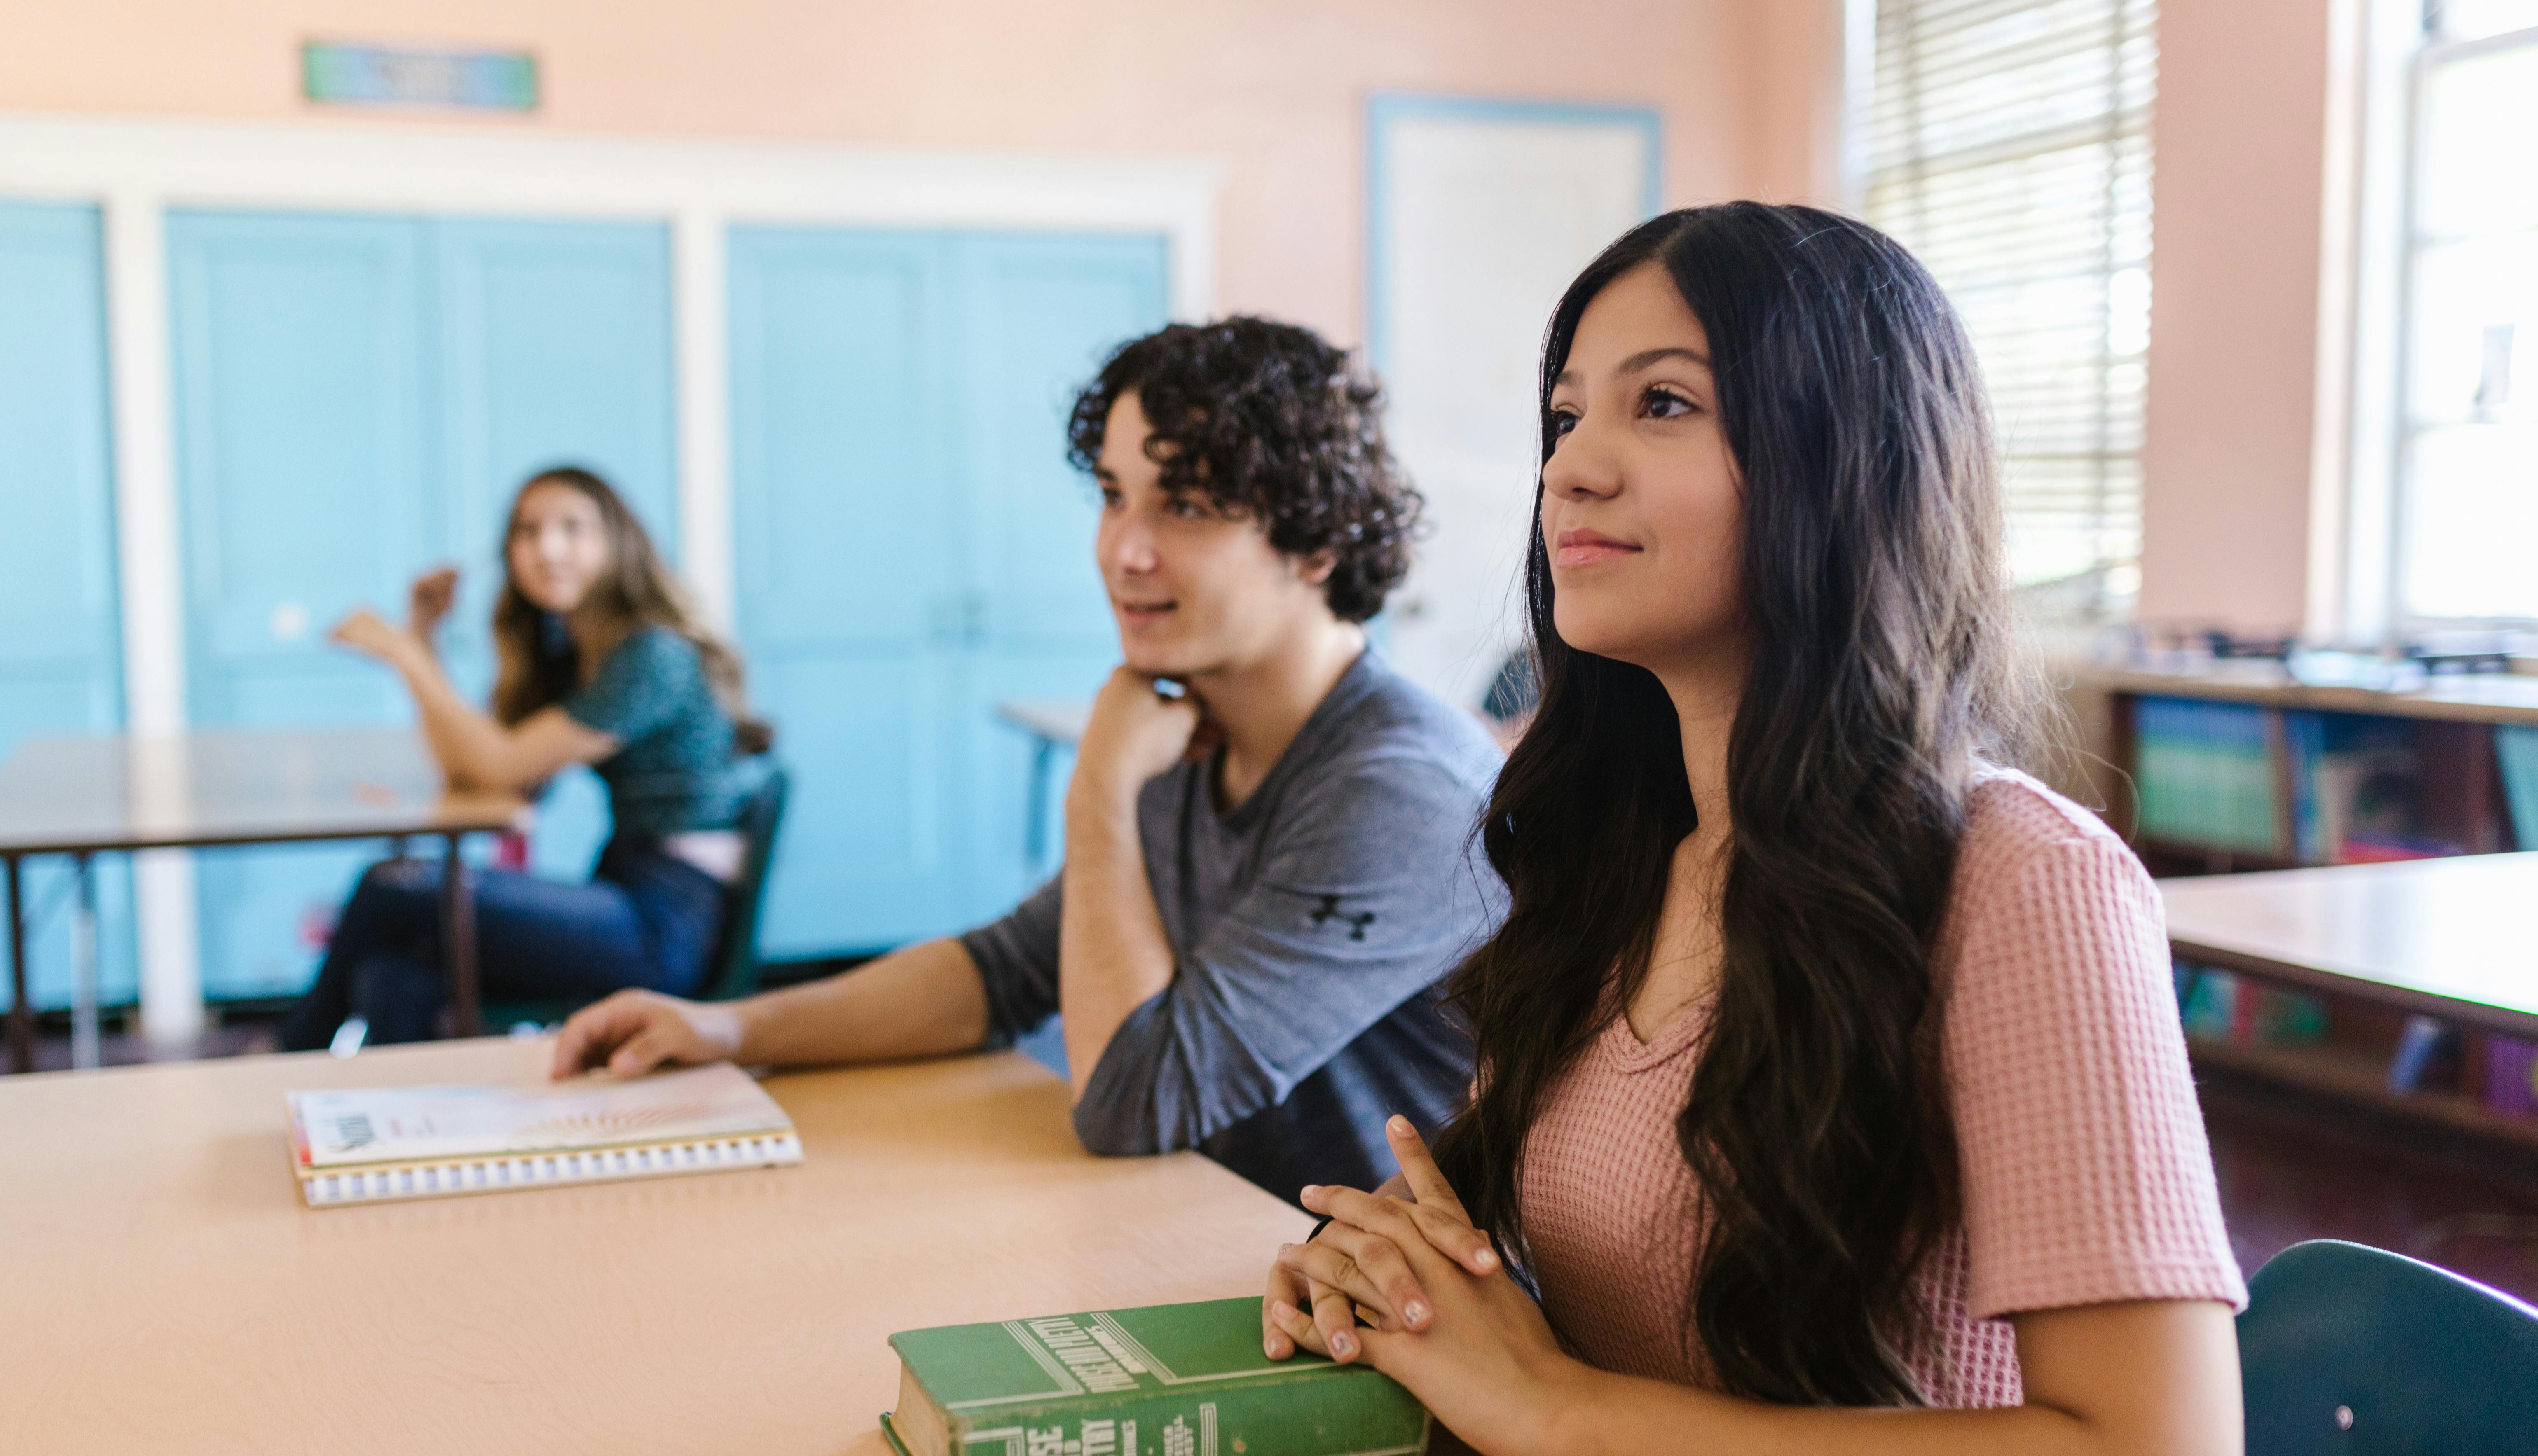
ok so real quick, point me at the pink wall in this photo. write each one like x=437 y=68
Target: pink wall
x=2241 y=138
x=1275 y=87
x=1795 y=117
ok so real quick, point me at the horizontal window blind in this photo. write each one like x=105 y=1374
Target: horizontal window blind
x=2007 y=143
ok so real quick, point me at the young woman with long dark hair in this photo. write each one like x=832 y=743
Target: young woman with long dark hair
x=1827 y=1066
x=602 y=662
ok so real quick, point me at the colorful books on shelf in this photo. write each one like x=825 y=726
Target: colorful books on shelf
x=2516 y=754
x=2361 y=788
x=2359 y=791
x=2222 y=1007
x=1164 y=1380
x=2206 y=774
x=383 y=1143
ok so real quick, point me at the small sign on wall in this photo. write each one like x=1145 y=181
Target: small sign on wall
x=398 y=76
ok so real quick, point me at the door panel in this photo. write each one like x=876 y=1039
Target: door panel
x=61 y=655
x=555 y=350
x=1039 y=315
x=845 y=522
x=305 y=461
x=357 y=398
x=307 y=473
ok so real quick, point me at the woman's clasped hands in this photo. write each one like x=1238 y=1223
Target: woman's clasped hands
x=1410 y=1287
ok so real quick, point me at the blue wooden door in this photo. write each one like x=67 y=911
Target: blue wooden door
x=60 y=658
x=846 y=523
x=1040 y=313
x=356 y=399
x=308 y=480
x=914 y=548
x=554 y=348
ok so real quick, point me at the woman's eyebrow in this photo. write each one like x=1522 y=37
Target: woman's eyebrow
x=1642 y=361
x=1647 y=356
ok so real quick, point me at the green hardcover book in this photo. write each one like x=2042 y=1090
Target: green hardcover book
x=1166 y=1380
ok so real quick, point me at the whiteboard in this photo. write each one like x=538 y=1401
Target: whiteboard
x=1480 y=213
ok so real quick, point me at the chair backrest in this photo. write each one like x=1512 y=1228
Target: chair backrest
x=735 y=965
x=2353 y=1350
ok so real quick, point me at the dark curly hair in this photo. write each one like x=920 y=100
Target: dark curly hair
x=1267 y=422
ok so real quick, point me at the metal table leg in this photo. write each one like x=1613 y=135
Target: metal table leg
x=83 y=994
x=1036 y=825
x=22 y=1016
x=458 y=941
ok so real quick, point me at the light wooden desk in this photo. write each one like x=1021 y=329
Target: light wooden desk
x=2450 y=937
x=83 y=796
x=162 y=1289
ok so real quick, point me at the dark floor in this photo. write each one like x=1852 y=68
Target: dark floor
x=2289 y=1170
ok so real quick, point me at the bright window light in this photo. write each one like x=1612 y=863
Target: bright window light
x=2470 y=449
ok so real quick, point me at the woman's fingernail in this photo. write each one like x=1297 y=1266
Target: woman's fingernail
x=1343 y=1345
x=1281 y=1309
x=1487 y=1259
x=1399 y=1127
x=1311 y=1190
x=1415 y=1312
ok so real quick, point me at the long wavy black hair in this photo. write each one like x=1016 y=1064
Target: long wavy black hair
x=1881 y=673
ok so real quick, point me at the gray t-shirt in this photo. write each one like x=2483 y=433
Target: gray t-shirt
x=1309 y=926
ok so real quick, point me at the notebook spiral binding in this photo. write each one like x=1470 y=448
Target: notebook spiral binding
x=547 y=1169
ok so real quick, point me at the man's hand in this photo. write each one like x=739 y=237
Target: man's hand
x=429 y=600
x=634 y=1031
x=1134 y=733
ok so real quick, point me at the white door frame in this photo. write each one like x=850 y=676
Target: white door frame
x=136 y=171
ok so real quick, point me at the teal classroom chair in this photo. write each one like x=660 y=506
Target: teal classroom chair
x=2359 y=1352
x=733 y=972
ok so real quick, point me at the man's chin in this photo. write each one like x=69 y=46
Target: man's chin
x=1156 y=660
x=1157 y=664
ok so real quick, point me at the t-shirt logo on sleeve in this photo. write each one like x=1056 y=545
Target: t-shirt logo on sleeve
x=1329 y=910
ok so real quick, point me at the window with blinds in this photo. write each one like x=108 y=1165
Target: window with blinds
x=2007 y=143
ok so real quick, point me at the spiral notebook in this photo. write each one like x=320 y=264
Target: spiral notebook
x=383 y=1143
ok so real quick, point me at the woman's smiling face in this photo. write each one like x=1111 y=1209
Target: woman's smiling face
x=1642 y=512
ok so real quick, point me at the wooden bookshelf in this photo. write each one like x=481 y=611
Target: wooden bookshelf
x=2358 y=1077
x=2451 y=733
x=2186 y=857
x=2467 y=698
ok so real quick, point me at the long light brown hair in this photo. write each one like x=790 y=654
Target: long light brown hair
x=537 y=664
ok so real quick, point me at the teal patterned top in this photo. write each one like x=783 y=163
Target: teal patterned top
x=673 y=769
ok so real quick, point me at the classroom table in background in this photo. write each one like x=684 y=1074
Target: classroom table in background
x=168 y=1292
x=2448 y=938
x=85 y=796
x=1053 y=724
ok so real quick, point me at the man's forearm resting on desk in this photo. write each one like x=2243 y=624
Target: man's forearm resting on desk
x=922 y=1001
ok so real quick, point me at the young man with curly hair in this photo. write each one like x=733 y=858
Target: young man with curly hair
x=1267 y=828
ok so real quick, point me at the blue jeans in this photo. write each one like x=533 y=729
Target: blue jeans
x=645 y=919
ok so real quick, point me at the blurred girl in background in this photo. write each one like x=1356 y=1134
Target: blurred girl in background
x=601 y=662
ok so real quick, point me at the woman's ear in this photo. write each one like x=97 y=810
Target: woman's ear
x=1314 y=570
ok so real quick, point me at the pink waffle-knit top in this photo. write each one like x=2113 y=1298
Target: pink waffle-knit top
x=2085 y=1175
